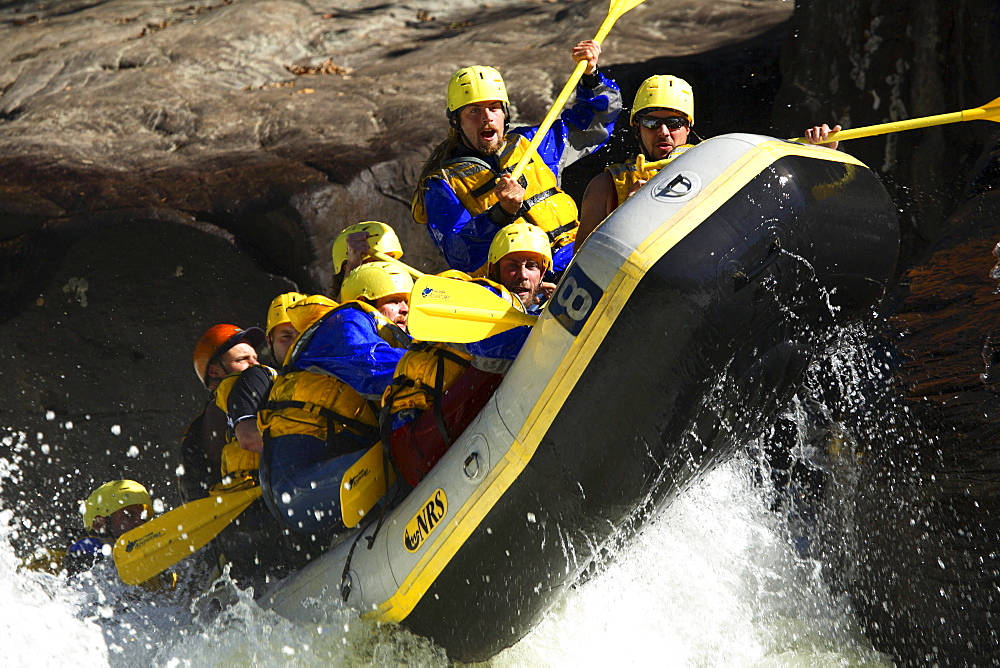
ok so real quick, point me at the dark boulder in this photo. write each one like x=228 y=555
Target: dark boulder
x=925 y=529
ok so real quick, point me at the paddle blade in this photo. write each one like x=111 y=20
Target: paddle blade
x=988 y=112
x=152 y=548
x=363 y=485
x=453 y=311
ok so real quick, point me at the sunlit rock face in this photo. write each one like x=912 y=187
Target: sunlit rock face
x=925 y=571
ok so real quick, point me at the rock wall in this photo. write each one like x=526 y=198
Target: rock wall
x=924 y=573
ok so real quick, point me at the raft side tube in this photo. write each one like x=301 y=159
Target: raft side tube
x=718 y=276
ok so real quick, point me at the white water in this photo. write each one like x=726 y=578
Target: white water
x=713 y=580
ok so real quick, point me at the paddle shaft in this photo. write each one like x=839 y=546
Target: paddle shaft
x=415 y=273
x=987 y=112
x=512 y=319
x=618 y=7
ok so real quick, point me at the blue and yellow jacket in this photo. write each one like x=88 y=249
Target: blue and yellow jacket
x=456 y=201
x=336 y=371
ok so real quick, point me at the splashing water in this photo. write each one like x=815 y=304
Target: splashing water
x=40 y=626
x=713 y=579
x=716 y=578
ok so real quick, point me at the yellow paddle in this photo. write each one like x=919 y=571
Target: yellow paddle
x=617 y=8
x=363 y=485
x=160 y=543
x=988 y=112
x=453 y=311
x=415 y=273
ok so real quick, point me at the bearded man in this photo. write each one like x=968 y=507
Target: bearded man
x=465 y=193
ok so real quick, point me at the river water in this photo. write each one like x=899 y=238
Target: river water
x=718 y=577
x=715 y=579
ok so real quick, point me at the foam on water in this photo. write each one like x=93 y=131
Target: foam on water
x=40 y=625
x=714 y=579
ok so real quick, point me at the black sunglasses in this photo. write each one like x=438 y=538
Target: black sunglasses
x=672 y=122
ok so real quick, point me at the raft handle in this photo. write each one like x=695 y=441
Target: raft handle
x=744 y=279
x=472 y=465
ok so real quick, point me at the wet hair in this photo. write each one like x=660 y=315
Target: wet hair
x=444 y=150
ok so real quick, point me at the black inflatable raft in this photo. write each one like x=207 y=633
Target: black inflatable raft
x=684 y=324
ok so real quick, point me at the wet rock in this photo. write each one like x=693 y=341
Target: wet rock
x=923 y=567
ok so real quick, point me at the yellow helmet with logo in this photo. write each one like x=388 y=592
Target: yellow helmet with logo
x=375 y=280
x=113 y=496
x=381 y=238
x=664 y=91
x=276 y=312
x=521 y=237
x=475 y=84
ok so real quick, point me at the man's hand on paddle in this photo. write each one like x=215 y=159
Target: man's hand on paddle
x=510 y=193
x=588 y=50
x=818 y=134
x=546 y=290
x=635 y=187
x=357 y=251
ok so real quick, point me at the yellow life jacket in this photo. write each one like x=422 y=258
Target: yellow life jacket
x=316 y=404
x=625 y=174
x=236 y=463
x=423 y=374
x=473 y=180
x=49 y=561
x=428 y=370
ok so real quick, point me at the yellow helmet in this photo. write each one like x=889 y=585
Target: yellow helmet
x=115 y=495
x=276 y=314
x=664 y=91
x=475 y=84
x=381 y=238
x=521 y=237
x=305 y=312
x=375 y=280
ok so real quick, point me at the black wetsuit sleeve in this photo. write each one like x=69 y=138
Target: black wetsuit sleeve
x=248 y=395
x=201 y=453
x=590 y=81
x=193 y=479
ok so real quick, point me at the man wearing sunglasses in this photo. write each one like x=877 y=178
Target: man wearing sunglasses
x=663 y=118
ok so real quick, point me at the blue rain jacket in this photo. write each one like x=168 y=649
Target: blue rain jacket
x=505 y=345
x=579 y=131
x=347 y=345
